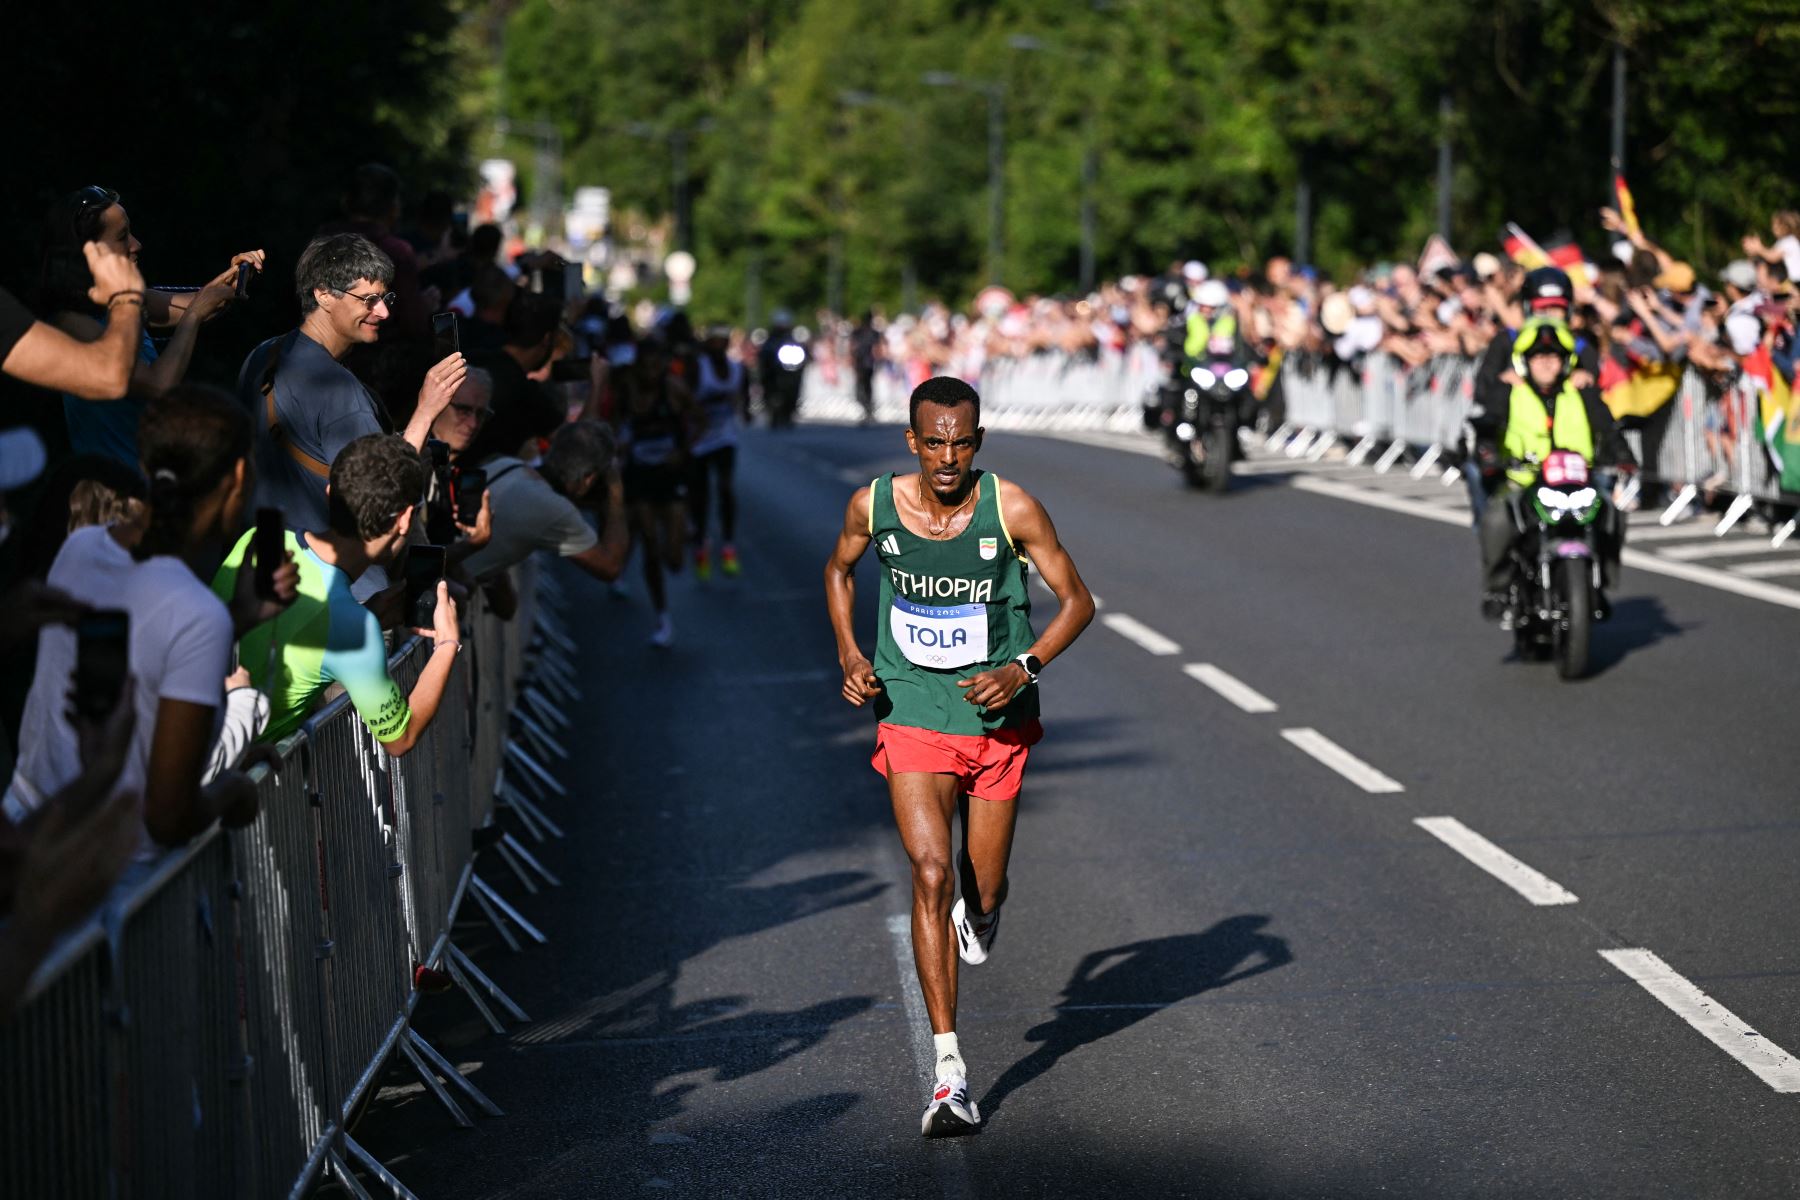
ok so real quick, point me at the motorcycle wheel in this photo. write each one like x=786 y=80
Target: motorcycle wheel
x=1575 y=587
x=1217 y=467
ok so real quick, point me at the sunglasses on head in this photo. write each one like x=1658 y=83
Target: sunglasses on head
x=89 y=202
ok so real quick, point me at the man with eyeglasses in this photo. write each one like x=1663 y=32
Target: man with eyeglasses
x=307 y=405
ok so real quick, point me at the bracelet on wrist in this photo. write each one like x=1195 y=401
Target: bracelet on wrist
x=134 y=292
x=436 y=646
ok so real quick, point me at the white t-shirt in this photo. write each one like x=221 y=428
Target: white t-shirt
x=1789 y=249
x=180 y=649
x=529 y=515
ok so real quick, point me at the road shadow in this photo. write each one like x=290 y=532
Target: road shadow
x=1638 y=622
x=1111 y=990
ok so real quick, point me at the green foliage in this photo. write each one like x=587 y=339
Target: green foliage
x=1203 y=116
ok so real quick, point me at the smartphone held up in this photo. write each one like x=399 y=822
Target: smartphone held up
x=424 y=570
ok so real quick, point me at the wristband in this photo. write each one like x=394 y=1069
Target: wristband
x=436 y=646
x=131 y=293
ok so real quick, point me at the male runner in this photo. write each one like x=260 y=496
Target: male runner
x=954 y=685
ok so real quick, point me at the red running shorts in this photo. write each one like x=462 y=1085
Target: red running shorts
x=989 y=767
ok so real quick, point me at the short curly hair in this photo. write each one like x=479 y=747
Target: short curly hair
x=336 y=261
x=946 y=390
x=373 y=480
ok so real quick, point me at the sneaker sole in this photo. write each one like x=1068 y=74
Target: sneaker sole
x=967 y=948
x=942 y=1122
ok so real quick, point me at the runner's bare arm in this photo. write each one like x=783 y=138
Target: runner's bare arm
x=860 y=684
x=1033 y=533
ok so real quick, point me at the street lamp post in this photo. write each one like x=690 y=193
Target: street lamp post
x=995 y=91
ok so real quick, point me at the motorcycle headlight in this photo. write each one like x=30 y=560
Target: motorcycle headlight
x=1583 y=504
x=1203 y=377
x=1554 y=500
x=1236 y=378
x=790 y=356
x=1184 y=431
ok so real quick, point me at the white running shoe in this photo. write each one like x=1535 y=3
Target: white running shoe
x=973 y=941
x=664 y=637
x=951 y=1113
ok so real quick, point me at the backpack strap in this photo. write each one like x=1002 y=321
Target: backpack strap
x=277 y=432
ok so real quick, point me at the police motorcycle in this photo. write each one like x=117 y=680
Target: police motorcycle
x=781 y=366
x=1555 y=597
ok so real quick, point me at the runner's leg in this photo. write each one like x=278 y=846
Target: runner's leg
x=671 y=535
x=645 y=532
x=700 y=496
x=987 y=847
x=725 y=462
x=923 y=805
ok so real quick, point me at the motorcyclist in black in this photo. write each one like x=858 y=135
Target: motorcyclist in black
x=780 y=364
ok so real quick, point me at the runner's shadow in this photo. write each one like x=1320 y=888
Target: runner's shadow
x=1114 y=989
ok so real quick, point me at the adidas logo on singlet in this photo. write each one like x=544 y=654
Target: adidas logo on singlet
x=890 y=544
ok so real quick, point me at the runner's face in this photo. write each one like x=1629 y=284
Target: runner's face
x=945 y=438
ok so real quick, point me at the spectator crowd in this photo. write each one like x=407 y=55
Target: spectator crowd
x=205 y=566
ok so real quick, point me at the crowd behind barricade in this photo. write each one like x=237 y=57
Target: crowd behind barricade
x=196 y=569
x=1643 y=322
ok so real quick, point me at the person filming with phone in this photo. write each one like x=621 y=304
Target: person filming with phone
x=307 y=405
x=326 y=637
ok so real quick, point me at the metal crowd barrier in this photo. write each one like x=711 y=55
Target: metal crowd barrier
x=210 y=1032
x=1045 y=391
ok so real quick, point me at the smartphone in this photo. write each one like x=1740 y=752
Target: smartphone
x=424 y=568
x=270 y=545
x=444 y=338
x=245 y=270
x=102 y=660
x=467 y=486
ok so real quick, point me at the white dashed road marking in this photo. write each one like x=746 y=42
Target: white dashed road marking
x=1712 y=1020
x=1534 y=885
x=1341 y=760
x=1233 y=689
x=1135 y=630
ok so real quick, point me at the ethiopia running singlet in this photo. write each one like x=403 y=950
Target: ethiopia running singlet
x=949 y=610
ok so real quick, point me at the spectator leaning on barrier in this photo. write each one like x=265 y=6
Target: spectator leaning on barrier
x=94 y=214
x=326 y=637
x=306 y=403
x=540 y=510
x=196 y=444
x=42 y=355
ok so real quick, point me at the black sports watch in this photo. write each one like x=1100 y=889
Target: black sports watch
x=1032 y=665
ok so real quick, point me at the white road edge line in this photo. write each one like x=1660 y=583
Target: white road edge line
x=1530 y=883
x=1638 y=560
x=1230 y=687
x=1712 y=1020
x=1135 y=630
x=952 y=1170
x=1341 y=760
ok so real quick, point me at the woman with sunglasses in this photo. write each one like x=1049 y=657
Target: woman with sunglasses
x=95 y=214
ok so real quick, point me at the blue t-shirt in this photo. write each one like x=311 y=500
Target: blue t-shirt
x=108 y=427
x=322 y=408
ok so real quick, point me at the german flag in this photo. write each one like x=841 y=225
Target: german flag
x=1627 y=207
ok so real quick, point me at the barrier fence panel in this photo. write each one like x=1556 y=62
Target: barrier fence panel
x=281 y=938
x=207 y=1033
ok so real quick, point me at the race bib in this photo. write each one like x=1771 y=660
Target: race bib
x=941 y=638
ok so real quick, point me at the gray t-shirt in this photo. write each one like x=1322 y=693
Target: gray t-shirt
x=322 y=408
x=528 y=515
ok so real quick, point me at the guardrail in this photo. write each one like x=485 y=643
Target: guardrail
x=1704 y=440
x=212 y=1029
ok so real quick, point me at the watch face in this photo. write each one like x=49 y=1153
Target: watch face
x=1031 y=664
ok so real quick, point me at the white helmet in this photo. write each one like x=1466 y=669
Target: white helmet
x=1212 y=294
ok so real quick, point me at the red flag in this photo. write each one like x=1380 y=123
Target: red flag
x=1521 y=249
x=1569 y=257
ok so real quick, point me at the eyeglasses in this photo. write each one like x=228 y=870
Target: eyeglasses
x=370 y=301
x=470 y=412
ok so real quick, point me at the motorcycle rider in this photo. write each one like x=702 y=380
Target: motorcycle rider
x=1212 y=326
x=1544 y=292
x=1545 y=410
x=779 y=365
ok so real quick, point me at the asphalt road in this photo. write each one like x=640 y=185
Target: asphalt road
x=1227 y=968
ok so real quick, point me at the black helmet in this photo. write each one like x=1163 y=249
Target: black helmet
x=1547 y=287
